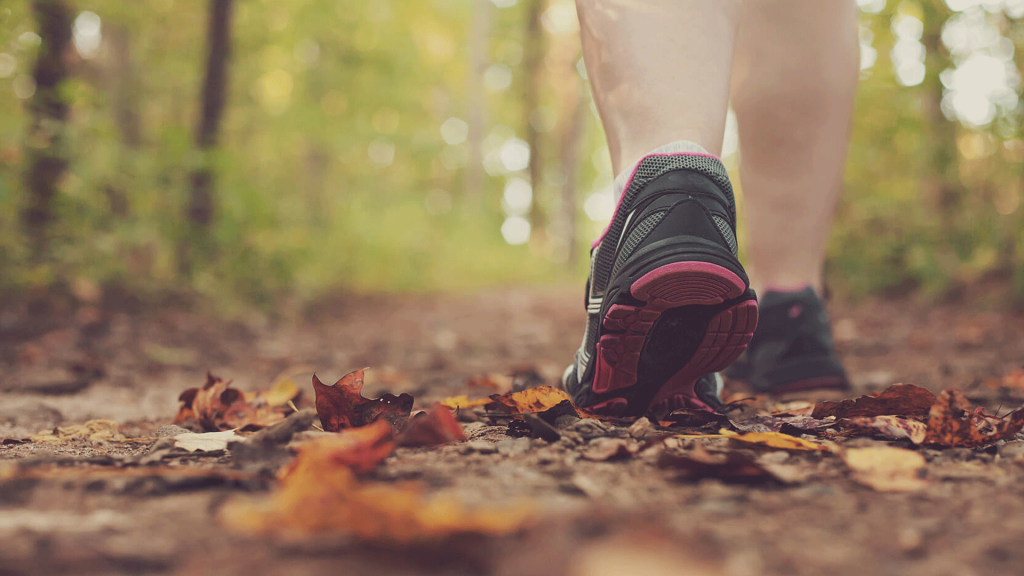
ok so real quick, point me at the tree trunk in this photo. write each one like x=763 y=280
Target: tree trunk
x=47 y=158
x=200 y=211
x=534 y=46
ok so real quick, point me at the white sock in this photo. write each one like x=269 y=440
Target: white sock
x=679 y=146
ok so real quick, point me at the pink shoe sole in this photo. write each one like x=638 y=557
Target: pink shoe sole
x=672 y=286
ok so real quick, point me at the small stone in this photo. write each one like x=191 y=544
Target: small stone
x=566 y=420
x=512 y=447
x=590 y=428
x=472 y=428
x=641 y=428
x=171 y=430
x=1012 y=450
x=482 y=446
x=910 y=539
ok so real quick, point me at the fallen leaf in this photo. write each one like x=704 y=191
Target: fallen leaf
x=892 y=426
x=776 y=423
x=897 y=400
x=318 y=492
x=94 y=431
x=951 y=422
x=603 y=449
x=532 y=400
x=434 y=427
x=359 y=449
x=730 y=466
x=207 y=441
x=687 y=418
x=343 y=406
x=773 y=440
x=281 y=392
x=217 y=406
x=885 y=468
x=463 y=401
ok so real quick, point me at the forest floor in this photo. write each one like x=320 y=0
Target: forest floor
x=602 y=499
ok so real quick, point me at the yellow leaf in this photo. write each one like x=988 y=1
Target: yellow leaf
x=463 y=401
x=773 y=440
x=536 y=399
x=885 y=468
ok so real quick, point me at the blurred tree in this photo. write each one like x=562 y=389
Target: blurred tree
x=201 y=201
x=47 y=156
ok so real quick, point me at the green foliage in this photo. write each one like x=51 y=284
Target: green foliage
x=332 y=171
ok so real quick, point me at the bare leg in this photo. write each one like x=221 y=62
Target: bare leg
x=793 y=85
x=659 y=70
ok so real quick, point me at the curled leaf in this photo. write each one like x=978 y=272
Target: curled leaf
x=434 y=427
x=343 y=406
x=891 y=426
x=730 y=467
x=217 y=406
x=951 y=422
x=531 y=400
x=897 y=400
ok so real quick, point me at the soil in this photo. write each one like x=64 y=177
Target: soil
x=84 y=507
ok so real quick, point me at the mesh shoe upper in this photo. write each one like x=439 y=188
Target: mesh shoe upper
x=671 y=199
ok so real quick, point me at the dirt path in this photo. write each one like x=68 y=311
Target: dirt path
x=75 y=506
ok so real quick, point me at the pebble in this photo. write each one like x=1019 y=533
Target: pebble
x=481 y=446
x=640 y=429
x=1012 y=450
x=511 y=447
x=170 y=430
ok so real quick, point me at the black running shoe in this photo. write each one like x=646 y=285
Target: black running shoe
x=792 y=349
x=668 y=301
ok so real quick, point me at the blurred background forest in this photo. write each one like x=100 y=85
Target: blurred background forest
x=259 y=150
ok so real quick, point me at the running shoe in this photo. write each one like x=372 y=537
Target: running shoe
x=792 y=348
x=668 y=302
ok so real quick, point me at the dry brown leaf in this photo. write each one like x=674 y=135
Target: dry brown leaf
x=952 y=422
x=892 y=426
x=528 y=401
x=897 y=400
x=343 y=406
x=318 y=493
x=886 y=468
x=730 y=466
x=610 y=449
x=217 y=406
x=463 y=402
x=93 y=431
x=359 y=449
x=434 y=427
